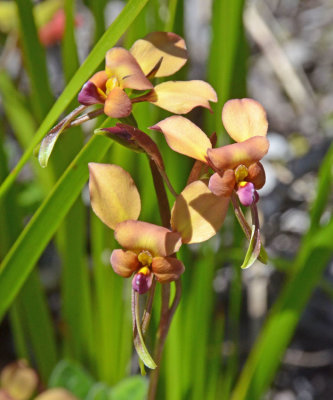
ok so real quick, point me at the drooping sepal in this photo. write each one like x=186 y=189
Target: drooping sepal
x=197 y=213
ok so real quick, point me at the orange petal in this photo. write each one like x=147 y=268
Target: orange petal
x=138 y=235
x=222 y=185
x=184 y=137
x=99 y=79
x=113 y=194
x=182 y=97
x=167 y=269
x=197 y=213
x=244 y=118
x=121 y=64
x=124 y=263
x=256 y=175
x=155 y=46
x=117 y=104
x=246 y=153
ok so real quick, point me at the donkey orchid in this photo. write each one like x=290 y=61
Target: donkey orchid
x=148 y=249
x=126 y=80
x=159 y=54
x=237 y=165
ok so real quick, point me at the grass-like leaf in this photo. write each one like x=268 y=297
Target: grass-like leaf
x=29 y=246
x=109 y=39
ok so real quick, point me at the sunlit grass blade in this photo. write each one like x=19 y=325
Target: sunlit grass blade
x=25 y=252
x=34 y=58
x=324 y=189
x=110 y=37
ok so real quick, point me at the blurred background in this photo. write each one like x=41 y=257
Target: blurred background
x=261 y=333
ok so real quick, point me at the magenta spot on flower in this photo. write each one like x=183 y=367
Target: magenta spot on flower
x=246 y=193
x=89 y=94
x=141 y=283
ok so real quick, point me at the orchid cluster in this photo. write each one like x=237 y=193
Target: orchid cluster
x=233 y=172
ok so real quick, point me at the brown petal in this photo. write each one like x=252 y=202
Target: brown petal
x=232 y=155
x=181 y=97
x=121 y=64
x=155 y=46
x=167 y=269
x=244 y=118
x=138 y=235
x=117 y=104
x=222 y=185
x=124 y=263
x=113 y=194
x=197 y=213
x=184 y=137
x=256 y=175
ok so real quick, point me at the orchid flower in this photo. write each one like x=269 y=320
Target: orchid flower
x=126 y=73
x=148 y=248
x=159 y=54
x=237 y=166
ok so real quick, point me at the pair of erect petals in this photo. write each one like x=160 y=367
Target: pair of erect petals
x=245 y=121
x=158 y=54
x=196 y=215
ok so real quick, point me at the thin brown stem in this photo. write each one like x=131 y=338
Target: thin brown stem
x=167 y=312
x=163 y=203
x=86 y=117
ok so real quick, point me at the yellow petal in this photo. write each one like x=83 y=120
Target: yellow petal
x=138 y=236
x=246 y=153
x=113 y=194
x=117 y=104
x=182 y=97
x=197 y=213
x=124 y=263
x=167 y=269
x=184 y=137
x=156 y=45
x=244 y=118
x=121 y=64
